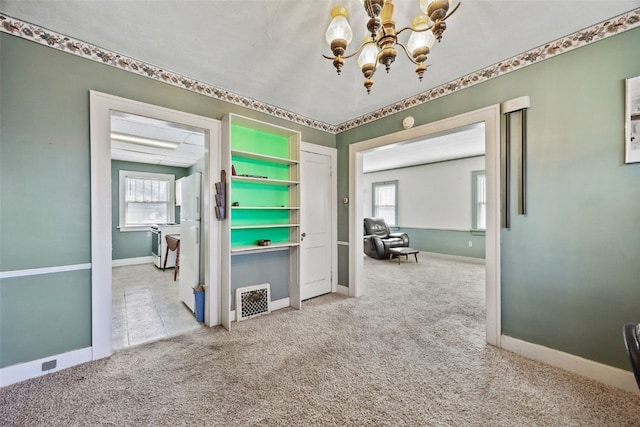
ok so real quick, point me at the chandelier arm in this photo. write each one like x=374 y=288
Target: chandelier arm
x=352 y=54
x=407 y=53
x=430 y=26
x=414 y=30
x=452 y=12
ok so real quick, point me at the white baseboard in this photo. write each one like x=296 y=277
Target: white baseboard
x=132 y=261
x=24 y=371
x=281 y=303
x=343 y=290
x=606 y=374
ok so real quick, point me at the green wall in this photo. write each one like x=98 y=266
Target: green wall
x=570 y=270
x=571 y=267
x=34 y=320
x=451 y=242
x=133 y=244
x=45 y=195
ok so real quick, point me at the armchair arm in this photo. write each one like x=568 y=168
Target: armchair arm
x=373 y=246
x=403 y=236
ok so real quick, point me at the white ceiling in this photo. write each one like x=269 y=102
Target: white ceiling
x=463 y=142
x=270 y=50
x=188 y=152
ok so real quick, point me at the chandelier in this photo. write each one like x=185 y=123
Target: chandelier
x=379 y=47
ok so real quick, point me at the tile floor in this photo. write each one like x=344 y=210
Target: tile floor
x=146 y=306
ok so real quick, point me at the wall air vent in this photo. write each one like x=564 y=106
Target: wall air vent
x=253 y=301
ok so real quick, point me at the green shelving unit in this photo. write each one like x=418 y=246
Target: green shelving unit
x=263 y=196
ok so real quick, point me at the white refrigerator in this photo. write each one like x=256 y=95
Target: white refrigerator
x=189 y=273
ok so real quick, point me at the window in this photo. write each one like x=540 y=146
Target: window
x=145 y=199
x=478 y=200
x=385 y=201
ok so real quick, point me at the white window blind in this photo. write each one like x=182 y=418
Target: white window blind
x=482 y=202
x=145 y=199
x=384 y=201
x=479 y=196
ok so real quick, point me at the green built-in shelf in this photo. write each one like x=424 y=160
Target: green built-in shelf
x=280 y=182
x=252 y=193
x=255 y=248
x=248 y=227
x=270 y=170
x=261 y=157
x=263 y=217
x=250 y=235
x=259 y=142
x=266 y=199
x=268 y=208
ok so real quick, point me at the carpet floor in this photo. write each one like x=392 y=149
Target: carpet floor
x=410 y=352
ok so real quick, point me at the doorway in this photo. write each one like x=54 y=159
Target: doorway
x=490 y=116
x=150 y=161
x=101 y=108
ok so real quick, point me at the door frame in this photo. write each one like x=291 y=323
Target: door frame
x=101 y=105
x=332 y=153
x=491 y=117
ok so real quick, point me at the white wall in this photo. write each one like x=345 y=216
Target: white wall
x=436 y=195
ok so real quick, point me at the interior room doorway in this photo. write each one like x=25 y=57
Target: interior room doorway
x=151 y=161
x=102 y=106
x=490 y=116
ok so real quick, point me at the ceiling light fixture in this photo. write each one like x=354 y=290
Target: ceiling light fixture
x=159 y=143
x=379 y=47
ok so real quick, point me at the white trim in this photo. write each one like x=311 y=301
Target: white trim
x=44 y=270
x=101 y=105
x=332 y=153
x=169 y=178
x=24 y=371
x=343 y=290
x=491 y=117
x=279 y=304
x=132 y=261
x=341 y=243
x=606 y=374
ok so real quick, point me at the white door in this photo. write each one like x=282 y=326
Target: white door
x=316 y=225
x=189 y=272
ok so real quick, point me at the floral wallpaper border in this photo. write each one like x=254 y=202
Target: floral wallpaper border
x=576 y=40
x=67 y=44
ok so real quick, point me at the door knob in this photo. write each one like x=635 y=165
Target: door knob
x=303 y=235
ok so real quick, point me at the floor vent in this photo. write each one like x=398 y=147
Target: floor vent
x=253 y=301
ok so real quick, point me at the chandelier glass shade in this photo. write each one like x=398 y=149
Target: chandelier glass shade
x=379 y=47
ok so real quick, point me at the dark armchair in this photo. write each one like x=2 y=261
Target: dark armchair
x=631 y=337
x=378 y=239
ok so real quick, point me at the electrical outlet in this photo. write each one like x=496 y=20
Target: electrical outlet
x=49 y=365
x=470 y=243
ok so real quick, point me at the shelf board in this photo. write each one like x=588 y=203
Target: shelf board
x=268 y=208
x=248 y=227
x=282 y=182
x=264 y=157
x=255 y=248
